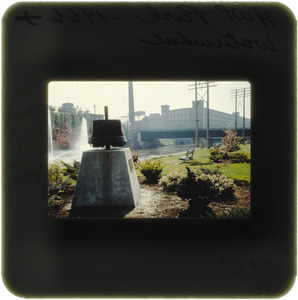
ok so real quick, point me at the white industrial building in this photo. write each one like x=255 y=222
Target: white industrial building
x=185 y=119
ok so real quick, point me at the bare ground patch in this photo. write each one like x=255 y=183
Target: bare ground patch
x=154 y=203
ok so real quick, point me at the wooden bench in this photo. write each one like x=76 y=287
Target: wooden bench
x=188 y=155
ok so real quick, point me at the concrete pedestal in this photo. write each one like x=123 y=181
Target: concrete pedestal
x=107 y=179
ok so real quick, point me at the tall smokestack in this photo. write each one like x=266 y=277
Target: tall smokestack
x=131 y=103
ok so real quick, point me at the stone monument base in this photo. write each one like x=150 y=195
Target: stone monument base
x=107 y=183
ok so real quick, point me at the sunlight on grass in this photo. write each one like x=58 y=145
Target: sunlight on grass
x=239 y=171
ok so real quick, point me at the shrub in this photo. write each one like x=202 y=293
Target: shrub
x=215 y=155
x=241 y=182
x=60 y=184
x=151 y=169
x=199 y=187
x=198 y=163
x=54 y=204
x=57 y=178
x=72 y=170
x=210 y=171
x=239 y=157
x=171 y=181
x=236 y=212
x=218 y=154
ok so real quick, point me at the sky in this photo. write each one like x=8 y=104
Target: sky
x=148 y=96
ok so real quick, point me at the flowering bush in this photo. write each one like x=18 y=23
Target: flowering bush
x=151 y=169
x=61 y=138
x=231 y=141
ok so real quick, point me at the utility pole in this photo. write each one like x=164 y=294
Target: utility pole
x=208 y=140
x=94 y=107
x=239 y=95
x=243 y=125
x=196 y=112
x=197 y=117
x=202 y=85
x=131 y=104
x=236 y=112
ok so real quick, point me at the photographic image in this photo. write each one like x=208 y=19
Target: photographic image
x=149 y=149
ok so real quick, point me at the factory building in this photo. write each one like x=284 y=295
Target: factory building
x=185 y=119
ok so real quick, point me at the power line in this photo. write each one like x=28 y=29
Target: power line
x=202 y=85
x=240 y=95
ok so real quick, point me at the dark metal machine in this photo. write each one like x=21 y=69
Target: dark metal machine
x=107 y=133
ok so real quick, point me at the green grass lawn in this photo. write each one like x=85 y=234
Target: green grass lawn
x=238 y=171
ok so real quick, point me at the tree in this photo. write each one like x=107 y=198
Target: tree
x=62 y=140
x=60 y=119
x=67 y=120
x=52 y=116
x=76 y=121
